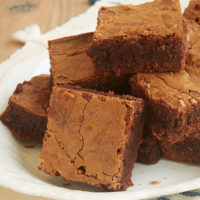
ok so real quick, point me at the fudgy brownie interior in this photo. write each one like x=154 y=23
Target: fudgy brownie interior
x=143 y=38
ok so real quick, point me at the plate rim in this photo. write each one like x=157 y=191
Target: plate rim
x=86 y=195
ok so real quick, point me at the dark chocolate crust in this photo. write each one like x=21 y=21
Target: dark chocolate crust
x=26 y=114
x=102 y=153
x=68 y=56
x=149 y=43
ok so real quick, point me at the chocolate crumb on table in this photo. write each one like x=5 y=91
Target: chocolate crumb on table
x=106 y=131
x=143 y=38
x=26 y=114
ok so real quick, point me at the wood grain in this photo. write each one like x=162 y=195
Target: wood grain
x=17 y=14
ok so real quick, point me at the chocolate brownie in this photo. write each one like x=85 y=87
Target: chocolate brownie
x=143 y=38
x=106 y=132
x=70 y=65
x=171 y=96
x=26 y=114
x=192 y=12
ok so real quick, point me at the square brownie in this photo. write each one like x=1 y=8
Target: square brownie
x=143 y=38
x=192 y=12
x=26 y=114
x=70 y=65
x=92 y=137
x=173 y=101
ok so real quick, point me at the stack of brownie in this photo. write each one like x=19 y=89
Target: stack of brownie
x=129 y=91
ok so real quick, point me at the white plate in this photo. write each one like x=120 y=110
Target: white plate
x=18 y=165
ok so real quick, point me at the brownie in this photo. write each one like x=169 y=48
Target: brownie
x=106 y=132
x=192 y=12
x=188 y=149
x=143 y=38
x=70 y=65
x=26 y=114
x=173 y=98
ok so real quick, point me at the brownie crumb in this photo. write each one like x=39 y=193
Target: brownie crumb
x=154 y=182
x=66 y=184
x=29 y=146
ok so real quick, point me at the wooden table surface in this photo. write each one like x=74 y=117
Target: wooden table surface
x=17 y=14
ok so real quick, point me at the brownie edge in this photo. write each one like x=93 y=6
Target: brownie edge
x=106 y=131
x=154 y=41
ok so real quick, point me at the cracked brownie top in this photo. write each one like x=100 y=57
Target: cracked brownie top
x=161 y=17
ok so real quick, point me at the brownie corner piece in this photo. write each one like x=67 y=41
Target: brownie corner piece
x=68 y=56
x=106 y=132
x=26 y=113
x=144 y=38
